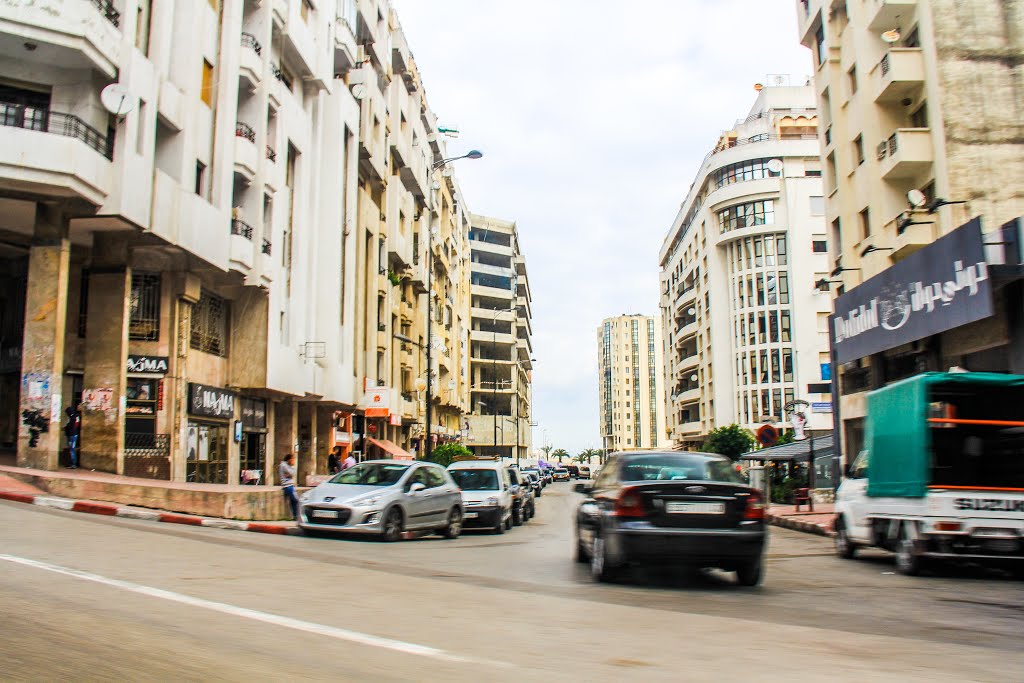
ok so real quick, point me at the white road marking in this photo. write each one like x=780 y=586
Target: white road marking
x=245 y=613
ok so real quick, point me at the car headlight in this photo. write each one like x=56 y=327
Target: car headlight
x=366 y=501
x=493 y=500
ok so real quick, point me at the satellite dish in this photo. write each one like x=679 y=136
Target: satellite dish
x=448 y=172
x=691 y=311
x=693 y=378
x=891 y=36
x=359 y=91
x=436 y=185
x=452 y=384
x=917 y=198
x=420 y=384
x=117 y=99
x=775 y=165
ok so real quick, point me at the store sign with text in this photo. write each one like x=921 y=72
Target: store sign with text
x=148 y=364
x=210 y=401
x=940 y=287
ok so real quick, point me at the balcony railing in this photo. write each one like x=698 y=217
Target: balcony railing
x=249 y=41
x=276 y=71
x=241 y=228
x=46 y=121
x=271 y=154
x=265 y=249
x=244 y=130
x=107 y=8
x=884 y=65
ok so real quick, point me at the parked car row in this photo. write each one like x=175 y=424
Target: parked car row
x=389 y=497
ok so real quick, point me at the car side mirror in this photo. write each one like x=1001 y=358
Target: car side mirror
x=583 y=487
x=416 y=487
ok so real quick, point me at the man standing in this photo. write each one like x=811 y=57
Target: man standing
x=286 y=472
x=334 y=460
x=348 y=462
x=73 y=430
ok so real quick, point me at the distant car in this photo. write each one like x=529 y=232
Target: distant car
x=671 y=507
x=486 y=493
x=560 y=474
x=522 y=495
x=574 y=471
x=384 y=497
x=546 y=472
x=535 y=478
x=584 y=472
x=540 y=479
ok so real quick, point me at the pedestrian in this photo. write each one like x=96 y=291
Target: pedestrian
x=73 y=430
x=348 y=462
x=334 y=460
x=286 y=471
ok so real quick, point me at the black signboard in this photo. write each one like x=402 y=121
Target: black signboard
x=254 y=413
x=210 y=401
x=937 y=288
x=148 y=364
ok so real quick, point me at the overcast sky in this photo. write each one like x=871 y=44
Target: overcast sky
x=593 y=117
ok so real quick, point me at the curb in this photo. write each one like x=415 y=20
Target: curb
x=796 y=525
x=112 y=510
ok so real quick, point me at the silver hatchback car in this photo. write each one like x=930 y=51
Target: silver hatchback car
x=385 y=497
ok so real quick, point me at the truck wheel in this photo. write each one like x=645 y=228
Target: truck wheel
x=517 y=515
x=844 y=547
x=908 y=559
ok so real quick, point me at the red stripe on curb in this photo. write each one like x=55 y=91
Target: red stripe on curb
x=94 y=508
x=267 y=528
x=180 y=519
x=18 y=497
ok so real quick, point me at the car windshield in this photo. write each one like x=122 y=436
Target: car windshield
x=679 y=467
x=371 y=474
x=475 y=480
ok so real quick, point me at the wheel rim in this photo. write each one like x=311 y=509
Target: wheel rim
x=904 y=554
x=842 y=542
x=597 y=557
x=454 y=523
x=393 y=525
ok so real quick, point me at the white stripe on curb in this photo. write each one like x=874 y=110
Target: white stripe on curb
x=149 y=515
x=226 y=524
x=50 y=502
x=255 y=615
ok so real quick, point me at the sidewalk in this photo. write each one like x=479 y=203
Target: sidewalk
x=818 y=522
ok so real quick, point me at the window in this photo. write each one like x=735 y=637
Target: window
x=833 y=180
x=837 y=235
x=858 y=149
x=206 y=90
x=817 y=206
x=852 y=74
x=144 y=307
x=754 y=169
x=747 y=215
x=819 y=246
x=865 y=223
x=140 y=128
x=813 y=172
x=200 y=178
x=919 y=119
x=209 y=324
x=819 y=45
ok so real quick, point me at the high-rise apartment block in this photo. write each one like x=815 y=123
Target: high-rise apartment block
x=744 y=329
x=231 y=253
x=921 y=131
x=629 y=373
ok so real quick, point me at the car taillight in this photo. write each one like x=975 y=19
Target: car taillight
x=630 y=504
x=755 y=506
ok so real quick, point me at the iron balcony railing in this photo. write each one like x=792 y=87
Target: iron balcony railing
x=241 y=228
x=244 y=130
x=276 y=71
x=266 y=247
x=107 y=8
x=58 y=123
x=884 y=65
x=138 y=444
x=271 y=154
x=249 y=41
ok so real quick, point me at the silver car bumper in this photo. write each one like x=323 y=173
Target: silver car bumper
x=354 y=520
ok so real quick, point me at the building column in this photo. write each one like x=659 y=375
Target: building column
x=42 y=365
x=285 y=436
x=305 y=457
x=324 y=438
x=106 y=355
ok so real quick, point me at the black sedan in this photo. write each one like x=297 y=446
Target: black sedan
x=670 y=507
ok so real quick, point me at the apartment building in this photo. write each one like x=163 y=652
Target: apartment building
x=631 y=391
x=921 y=129
x=500 y=342
x=219 y=259
x=744 y=330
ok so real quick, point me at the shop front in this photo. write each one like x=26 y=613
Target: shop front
x=252 y=447
x=146 y=448
x=208 y=434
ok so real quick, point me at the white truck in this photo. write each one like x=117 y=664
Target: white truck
x=941 y=476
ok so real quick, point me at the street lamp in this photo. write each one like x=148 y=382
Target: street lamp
x=428 y=447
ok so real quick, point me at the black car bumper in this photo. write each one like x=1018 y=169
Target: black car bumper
x=484 y=516
x=658 y=544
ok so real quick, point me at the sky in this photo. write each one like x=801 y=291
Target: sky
x=593 y=117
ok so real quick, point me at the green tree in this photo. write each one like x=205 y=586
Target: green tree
x=601 y=454
x=785 y=437
x=731 y=441
x=445 y=453
x=559 y=453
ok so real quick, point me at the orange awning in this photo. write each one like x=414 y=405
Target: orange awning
x=391 y=447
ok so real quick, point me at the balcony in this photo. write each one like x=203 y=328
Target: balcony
x=250 y=61
x=53 y=154
x=913 y=237
x=906 y=154
x=690 y=428
x=246 y=156
x=344 y=47
x=688 y=363
x=373 y=122
x=899 y=75
x=74 y=35
x=241 y=245
x=687 y=296
x=884 y=15
x=688 y=330
x=689 y=396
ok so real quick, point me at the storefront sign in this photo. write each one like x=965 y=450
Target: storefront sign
x=148 y=364
x=937 y=288
x=210 y=401
x=821 y=407
x=254 y=413
x=377 y=402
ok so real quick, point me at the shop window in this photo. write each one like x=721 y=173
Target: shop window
x=144 y=307
x=209 y=324
x=207 y=453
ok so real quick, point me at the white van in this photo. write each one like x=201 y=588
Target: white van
x=486 y=493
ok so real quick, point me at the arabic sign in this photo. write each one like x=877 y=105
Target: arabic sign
x=210 y=401
x=937 y=288
x=148 y=364
x=377 y=402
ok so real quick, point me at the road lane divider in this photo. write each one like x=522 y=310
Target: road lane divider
x=328 y=631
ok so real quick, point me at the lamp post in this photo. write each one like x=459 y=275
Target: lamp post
x=427 y=446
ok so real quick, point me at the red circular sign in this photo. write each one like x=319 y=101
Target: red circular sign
x=372 y=429
x=767 y=436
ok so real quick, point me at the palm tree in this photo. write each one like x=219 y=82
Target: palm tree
x=601 y=455
x=585 y=455
x=559 y=453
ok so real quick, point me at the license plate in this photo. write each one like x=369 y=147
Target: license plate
x=328 y=514
x=677 y=508
x=470 y=515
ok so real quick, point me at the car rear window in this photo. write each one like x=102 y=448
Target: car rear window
x=475 y=480
x=679 y=467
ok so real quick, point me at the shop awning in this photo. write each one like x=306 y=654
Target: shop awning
x=391 y=447
x=797 y=450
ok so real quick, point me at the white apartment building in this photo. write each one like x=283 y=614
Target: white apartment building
x=921 y=131
x=221 y=270
x=501 y=344
x=744 y=328
x=630 y=377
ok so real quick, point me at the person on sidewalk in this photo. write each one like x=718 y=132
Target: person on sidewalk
x=286 y=471
x=348 y=462
x=334 y=460
x=73 y=430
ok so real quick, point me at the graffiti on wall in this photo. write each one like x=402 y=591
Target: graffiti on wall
x=36 y=405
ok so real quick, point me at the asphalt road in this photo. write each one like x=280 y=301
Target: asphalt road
x=85 y=597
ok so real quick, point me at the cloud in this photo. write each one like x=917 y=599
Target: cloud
x=594 y=117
